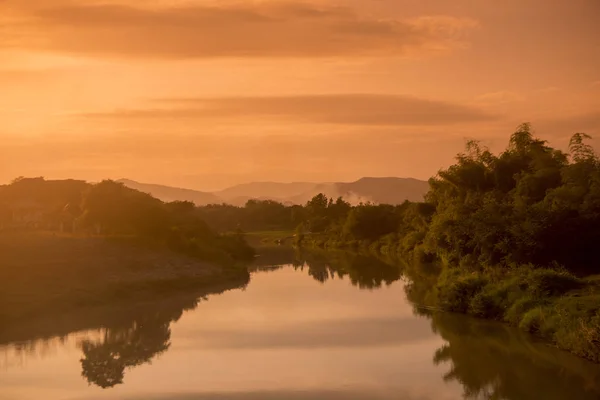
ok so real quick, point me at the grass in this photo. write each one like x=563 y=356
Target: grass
x=550 y=303
x=43 y=273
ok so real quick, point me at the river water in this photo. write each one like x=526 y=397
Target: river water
x=327 y=328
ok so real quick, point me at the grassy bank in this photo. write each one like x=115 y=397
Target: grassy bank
x=551 y=303
x=45 y=274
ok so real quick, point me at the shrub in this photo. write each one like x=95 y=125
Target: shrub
x=422 y=256
x=487 y=304
x=548 y=282
x=456 y=294
x=577 y=325
x=515 y=312
x=532 y=320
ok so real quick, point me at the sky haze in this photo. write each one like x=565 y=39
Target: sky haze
x=206 y=94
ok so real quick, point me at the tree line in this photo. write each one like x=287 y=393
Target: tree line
x=109 y=208
x=510 y=236
x=531 y=203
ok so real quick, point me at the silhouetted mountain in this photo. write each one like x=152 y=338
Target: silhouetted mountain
x=266 y=190
x=376 y=190
x=168 y=193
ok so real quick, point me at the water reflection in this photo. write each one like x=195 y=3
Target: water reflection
x=492 y=361
x=104 y=361
x=363 y=271
x=130 y=334
x=484 y=360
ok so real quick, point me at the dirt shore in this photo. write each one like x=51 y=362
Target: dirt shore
x=42 y=274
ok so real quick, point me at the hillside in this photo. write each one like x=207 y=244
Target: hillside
x=168 y=193
x=270 y=190
x=377 y=190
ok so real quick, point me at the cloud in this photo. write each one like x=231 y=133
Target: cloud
x=588 y=122
x=596 y=84
x=339 y=109
x=258 y=29
x=500 y=97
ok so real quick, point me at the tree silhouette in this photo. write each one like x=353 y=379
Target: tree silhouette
x=105 y=361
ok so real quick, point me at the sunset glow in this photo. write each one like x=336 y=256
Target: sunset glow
x=206 y=94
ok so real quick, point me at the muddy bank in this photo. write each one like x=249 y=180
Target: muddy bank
x=45 y=275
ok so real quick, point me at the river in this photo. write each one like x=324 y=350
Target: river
x=303 y=328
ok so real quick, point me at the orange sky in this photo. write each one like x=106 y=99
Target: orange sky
x=206 y=94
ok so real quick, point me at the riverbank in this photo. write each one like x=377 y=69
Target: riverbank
x=268 y=238
x=551 y=303
x=45 y=274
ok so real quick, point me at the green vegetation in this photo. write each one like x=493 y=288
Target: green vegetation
x=553 y=304
x=509 y=236
x=70 y=244
x=515 y=235
x=110 y=209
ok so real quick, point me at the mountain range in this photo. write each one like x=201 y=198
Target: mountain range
x=375 y=190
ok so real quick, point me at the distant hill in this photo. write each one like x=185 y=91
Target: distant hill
x=168 y=193
x=273 y=190
x=376 y=190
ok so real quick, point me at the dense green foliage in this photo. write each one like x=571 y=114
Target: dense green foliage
x=111 y=209
x=529 y=204
x=120 y=210
x=256 y=215
x=515 y=234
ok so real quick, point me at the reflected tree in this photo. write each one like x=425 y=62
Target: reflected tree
x=492 y=361
x=137 y=335
x=366 y=272
x=105 y=361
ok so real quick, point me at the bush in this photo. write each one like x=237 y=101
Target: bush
x=422 y=256
x=577 y=325
x=532 y=320
x=456 y=294
x=515 y=312
x=487 y=304
x=548 y=282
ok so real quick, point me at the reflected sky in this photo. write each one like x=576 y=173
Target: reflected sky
x=289 y=336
